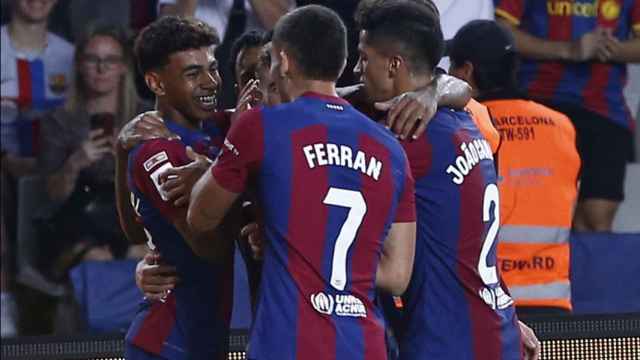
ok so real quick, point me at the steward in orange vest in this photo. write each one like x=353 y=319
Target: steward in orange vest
x=538 y=169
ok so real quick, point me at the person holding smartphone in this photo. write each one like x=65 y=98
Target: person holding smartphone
x=77 y=152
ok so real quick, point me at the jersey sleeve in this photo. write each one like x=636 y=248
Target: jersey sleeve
x=242 y=152
x=406 y=211
x=510 y=10
x=146 y=164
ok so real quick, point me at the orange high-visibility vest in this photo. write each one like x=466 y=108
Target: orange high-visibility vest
x=538 y=172
x=482 y=119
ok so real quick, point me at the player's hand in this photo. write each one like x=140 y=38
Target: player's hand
x=530 y=342
x=589 y=46
x=410 y=113
x=146 y=126
x=156 y=280
x=177 y=182
x=610 y=46
x=253 y=235
x=250 y=96
x=92 y=149
x=349 y=91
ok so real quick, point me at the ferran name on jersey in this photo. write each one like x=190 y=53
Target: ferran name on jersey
x=472 y=153
x=322 y=154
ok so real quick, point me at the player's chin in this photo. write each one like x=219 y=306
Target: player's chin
x=202 y=112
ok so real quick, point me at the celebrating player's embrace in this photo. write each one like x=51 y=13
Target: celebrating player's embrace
x=341 y=219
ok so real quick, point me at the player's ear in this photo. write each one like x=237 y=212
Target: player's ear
x=394 y=65
x=284 y=64
x=154 y=83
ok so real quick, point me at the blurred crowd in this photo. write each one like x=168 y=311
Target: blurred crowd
x=69 y=84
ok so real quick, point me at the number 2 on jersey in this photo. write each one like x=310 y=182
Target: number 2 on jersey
x=489 y=274
x=354 y=201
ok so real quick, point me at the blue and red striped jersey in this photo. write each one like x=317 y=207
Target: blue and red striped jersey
x=456 y=306
x=595 y=85
x=330 y=182
x=193 y=322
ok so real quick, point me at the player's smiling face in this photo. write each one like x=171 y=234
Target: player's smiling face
x=192 y=81
x=373 y=69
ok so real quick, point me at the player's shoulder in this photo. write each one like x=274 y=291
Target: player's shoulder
x=60 y=46
x=449 y=120
x=150 y=153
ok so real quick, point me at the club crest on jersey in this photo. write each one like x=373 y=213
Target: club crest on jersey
x=340 y=305
x=155 y=160
x=58 y=83
x=472 y=153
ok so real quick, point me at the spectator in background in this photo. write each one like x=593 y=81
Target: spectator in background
x=36 y=69
x=230 y=18
x=77 y=157
x=538 y=170
x=34 y=76
x=455 y=13
x=575 y=56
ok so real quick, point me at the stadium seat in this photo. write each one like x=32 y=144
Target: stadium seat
x=604 y=273
x=107 y=294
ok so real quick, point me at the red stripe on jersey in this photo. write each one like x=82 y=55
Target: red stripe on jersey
x=25 y=91
x=306 y=240
x=592 y=92
x=365 y=255
x=485 y=323
x=549 y=73
x=157 y=326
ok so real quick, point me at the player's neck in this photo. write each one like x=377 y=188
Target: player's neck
x=412 y=82
x=300 y=87
x=171 y=113
x=27 y=36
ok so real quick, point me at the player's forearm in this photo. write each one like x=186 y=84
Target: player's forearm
x=628 y=51
x=269 y=11
x=396 y=263
x=533 y=47
x=452 y=92
x=133 y=230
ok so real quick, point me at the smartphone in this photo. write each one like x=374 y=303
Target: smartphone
x=104 y=121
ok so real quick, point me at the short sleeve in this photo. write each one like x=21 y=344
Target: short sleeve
x=510 y=10
x=148 y=162
x=242 y=152
x=406 y=211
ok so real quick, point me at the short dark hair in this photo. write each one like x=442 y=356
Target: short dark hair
x=251 y=38
x=490 y=47
x=413 y=27
x=169 y=35
x=316 y=38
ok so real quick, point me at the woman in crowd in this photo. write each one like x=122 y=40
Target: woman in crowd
x=77 y=150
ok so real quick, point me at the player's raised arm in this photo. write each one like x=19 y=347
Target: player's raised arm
x=410 y=113
x=396 y=261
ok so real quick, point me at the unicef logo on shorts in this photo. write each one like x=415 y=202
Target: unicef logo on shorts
x=323 y=303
